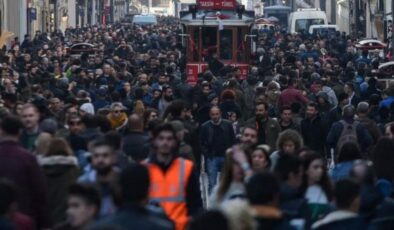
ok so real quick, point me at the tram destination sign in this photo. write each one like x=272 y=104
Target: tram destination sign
x=216 y=4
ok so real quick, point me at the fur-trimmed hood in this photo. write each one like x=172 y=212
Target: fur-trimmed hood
x=58 y=166
x=57 y=160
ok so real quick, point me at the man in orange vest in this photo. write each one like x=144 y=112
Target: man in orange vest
x=174 y=180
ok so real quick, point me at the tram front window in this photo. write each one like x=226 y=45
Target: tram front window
x=209 y=40
x=226 y=44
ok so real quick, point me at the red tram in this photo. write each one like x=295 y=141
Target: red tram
x=219 y=28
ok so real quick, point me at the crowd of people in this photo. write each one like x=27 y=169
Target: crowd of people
x=121 y=140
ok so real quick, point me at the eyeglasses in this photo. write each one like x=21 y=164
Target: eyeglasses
x=117 y=111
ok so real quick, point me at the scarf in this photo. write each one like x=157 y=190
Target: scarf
x=117 y=122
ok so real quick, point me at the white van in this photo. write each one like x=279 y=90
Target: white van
x=302 y=19
x=146 y=19
x=320 y=29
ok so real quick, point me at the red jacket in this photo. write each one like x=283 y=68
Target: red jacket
x=20 y=166
x=291 y=95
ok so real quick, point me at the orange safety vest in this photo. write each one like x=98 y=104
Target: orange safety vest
x=169 y=189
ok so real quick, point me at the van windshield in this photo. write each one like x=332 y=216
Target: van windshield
x=304 y=24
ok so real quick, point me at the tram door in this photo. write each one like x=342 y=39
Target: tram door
x=226 y=44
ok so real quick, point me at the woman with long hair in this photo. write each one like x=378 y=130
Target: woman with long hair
x=317 y=186
x=231 y=185
x=61 y=169
x=139 y=108
x=260 y=158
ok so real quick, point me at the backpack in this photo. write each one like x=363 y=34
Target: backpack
x=348 y=134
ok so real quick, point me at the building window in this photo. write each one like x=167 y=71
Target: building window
x=381 y=5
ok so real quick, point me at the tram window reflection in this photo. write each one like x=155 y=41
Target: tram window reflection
x=195 y=46
x=209 y=40
x=226 y=44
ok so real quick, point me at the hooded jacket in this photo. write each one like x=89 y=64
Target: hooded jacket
x=331 y=96
x=60 y=173
x=325 y=108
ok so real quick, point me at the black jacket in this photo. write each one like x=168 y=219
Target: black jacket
x=207 y=137
x=334 y=115
x=134 y=145
x=230 y=106
x=293 y=204
x=314 y=133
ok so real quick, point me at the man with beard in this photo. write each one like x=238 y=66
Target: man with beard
x=249 y=137
x=174 y=180
x=161 y=81
x=268 y=128
x=103 y=173
x=216 y=136
x=314 y=129
x=286 y=119
x=165 y=101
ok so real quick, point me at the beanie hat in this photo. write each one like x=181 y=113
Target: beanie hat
x=87 y=108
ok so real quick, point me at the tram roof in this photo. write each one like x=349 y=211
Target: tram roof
x=228 y=18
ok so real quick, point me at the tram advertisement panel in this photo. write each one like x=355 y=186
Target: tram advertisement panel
x=216 y=4
x=192 y=71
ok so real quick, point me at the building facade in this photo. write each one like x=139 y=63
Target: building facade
x=14 y=16
x=28 y=16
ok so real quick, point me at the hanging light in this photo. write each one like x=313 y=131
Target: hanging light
x=64 y=16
